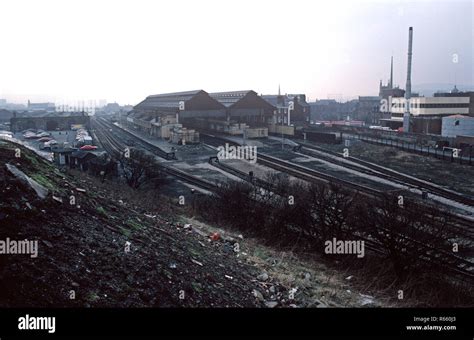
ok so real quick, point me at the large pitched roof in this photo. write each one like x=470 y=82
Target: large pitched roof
x=229 y=98
x=166 y=100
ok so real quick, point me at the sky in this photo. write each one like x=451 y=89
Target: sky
x=125 y=50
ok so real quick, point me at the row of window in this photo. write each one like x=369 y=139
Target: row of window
x=432 y=106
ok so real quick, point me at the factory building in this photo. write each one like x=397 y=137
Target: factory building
x=161 y=115
x=188 y=104
x=426 y=113
x=233 y=112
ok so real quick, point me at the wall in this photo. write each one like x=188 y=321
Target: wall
x=458 y=126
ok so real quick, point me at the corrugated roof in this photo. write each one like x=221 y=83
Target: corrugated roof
x=166 y=101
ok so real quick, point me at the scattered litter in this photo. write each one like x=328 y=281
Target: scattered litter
x=366 y=299
x=258 y=295
x=229 y=277
x=262 y=277
x=196 y=262
x=240 y=236
x=200 y=232
x=228 y=247
x=81 y=190
x=349 y=277
x=58 y=199
x=48 y=244
x=215 y=236
x=172 y=265
x=40 y=190
x=187 y=226
x=271 y=304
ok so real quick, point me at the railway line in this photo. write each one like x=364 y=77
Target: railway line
x=455 y=264
x=461 y=223
x=115 y=148
x=382 y=172
x=296 y=170
x=126 y=135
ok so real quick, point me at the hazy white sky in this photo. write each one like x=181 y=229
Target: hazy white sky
x=124 y=50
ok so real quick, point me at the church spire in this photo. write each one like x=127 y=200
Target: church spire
x=279 y=93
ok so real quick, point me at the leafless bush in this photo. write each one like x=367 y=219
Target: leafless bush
x=411 y=235
x=138 y=168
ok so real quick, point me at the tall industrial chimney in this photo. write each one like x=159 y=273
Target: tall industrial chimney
x=406 y=115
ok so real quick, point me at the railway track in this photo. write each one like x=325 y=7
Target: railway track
x=382 y=172
x=141 y=142
x=461 y=267
x=108 y=142
x=296 y=170
x=462 y=224
x=116 y=148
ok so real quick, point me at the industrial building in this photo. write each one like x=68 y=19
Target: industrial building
x=233 y=112
x=188 y=104
x=49 y=121
x=160 y=115
x=246 y=107
x=426 y=113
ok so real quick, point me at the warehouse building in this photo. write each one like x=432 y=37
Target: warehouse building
x=49 y=121
x=162 y=115
x=188 y=104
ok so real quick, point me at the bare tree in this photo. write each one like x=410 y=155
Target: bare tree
x=138 y=168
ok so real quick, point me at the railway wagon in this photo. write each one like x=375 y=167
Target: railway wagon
x=320 y=137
